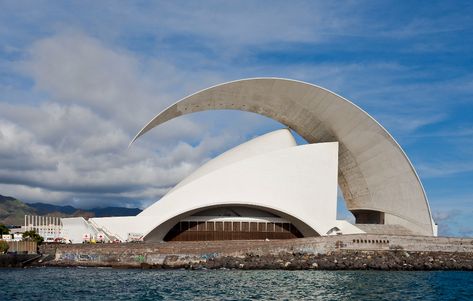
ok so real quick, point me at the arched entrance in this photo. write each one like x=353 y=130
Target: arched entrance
x=232 y=223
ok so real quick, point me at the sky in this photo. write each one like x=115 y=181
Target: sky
x=78 y=79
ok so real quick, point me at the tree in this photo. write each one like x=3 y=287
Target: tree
x=3 y=246
x=32 y=235
x=4 y=229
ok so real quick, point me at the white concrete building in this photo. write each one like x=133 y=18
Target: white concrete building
x=49 y=227
x=270 y=187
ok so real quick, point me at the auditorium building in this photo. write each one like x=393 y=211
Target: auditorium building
x=272 y=188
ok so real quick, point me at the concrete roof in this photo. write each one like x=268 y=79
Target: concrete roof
x=374 y=172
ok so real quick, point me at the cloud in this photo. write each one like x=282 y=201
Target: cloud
x=409 y=122
x=453 y=222
x=74 y=145
x=444 y=169
x=74 y=68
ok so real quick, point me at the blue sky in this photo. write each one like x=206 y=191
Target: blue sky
x=78 y=79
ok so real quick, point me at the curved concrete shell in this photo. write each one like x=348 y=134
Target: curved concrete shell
x=374 y=173
x=271 y=173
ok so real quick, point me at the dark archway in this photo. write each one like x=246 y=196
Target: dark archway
x=235 y=222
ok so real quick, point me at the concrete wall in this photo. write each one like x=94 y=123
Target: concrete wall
x=29 y=247
x=135 y=254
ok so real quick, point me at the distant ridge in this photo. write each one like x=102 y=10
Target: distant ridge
x=12 y=211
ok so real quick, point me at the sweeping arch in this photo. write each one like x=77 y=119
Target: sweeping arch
x=375 y=175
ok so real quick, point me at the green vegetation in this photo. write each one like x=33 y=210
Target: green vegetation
x=4 y=229
x=32 y=235
x=3 y=246
x=13 y=211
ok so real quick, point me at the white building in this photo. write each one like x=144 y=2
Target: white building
x=49 y=227
x=270 y=187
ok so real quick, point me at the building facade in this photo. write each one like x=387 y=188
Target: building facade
x=270 y=187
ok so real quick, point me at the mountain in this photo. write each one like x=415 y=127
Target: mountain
x=44 y=209
x=13 y=211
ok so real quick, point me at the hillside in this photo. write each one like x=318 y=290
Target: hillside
x=12 y=211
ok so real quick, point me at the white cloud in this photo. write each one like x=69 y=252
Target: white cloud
x=74 y=68
x=444 y=169
x=74 y=146
x=453 y=222
x=33 y=194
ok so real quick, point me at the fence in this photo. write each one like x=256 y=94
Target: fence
x=28 y=247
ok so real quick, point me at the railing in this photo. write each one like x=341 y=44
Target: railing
x=104 y=229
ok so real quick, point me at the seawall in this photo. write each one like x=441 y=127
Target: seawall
x=17 y=260
x=385 y=252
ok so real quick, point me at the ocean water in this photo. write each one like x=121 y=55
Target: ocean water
x=120 y=284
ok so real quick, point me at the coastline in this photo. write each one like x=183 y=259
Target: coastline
x=340 y=260
x=350 y=252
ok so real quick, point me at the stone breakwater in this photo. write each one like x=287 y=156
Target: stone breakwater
x=377 y=252
x=340 y=260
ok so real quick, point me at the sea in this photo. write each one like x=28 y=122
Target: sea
x=124 y=284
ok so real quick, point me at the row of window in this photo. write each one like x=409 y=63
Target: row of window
x=235 y=226
x=371 y=241
x=210 y=230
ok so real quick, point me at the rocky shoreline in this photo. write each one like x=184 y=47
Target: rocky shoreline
x=338 y=260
